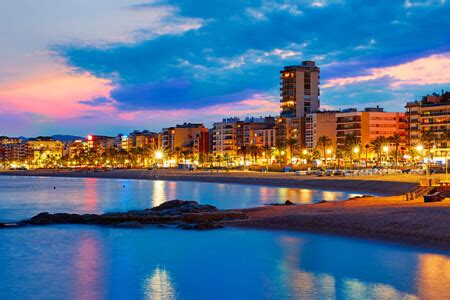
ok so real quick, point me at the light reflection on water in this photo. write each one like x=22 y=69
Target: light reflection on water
x=23 y=197
x=103 y=263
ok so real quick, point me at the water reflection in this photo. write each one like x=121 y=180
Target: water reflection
x=88 y=267
x=91 y=195
x=159 y=193
x=433 y=276
x=159 y=285
x=310 y=275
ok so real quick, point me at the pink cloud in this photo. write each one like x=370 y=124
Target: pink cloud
x=423 y=71
x=54 y=94
x=257 y=105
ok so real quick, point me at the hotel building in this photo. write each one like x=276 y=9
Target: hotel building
x=368 y=124
x=230 y=135
x=185 y=136
x=430 y=114
x=42 y=148
x=320 y=123
x=299 y=89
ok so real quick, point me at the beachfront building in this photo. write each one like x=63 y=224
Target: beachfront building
x=367 y=125
x=233 y=136
x=320 y=123
x=12 y=150
x=100 y=142
x=224 y=137
x=299 y=89
x=184 y=137
x=291 y=129
x=429 y=115
x=43 y=151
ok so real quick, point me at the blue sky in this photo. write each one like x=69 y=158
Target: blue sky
x=113 y=66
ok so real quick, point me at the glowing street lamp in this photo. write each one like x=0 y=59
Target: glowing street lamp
x=305 y=152
x=419 y=148
x=386 y=149
x=329 y=151
x=159 y=154
x=356 y=150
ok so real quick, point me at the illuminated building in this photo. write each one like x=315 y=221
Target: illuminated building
x=429 y=115
x=291 y=128
x=231 y=134
x=368 y=124
x=299 y=89
x=184 y=136
x=43 y=149
x=100 y=141
x=320 y=123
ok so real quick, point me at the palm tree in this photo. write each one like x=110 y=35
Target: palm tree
x=244 y=150
x=367 y=147
x=377 y=146
x=255 y=151
x=291 y=143
x=281 y=147
x=396 y=139
x=324 y=142
x=267 y=153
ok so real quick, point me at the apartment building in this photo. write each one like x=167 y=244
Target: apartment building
x=430 y=114
x=41 y=149
x=184 y=136
x=320 y=123
x=299 y=89
x=230 y=135
x=291 y=128
x=368 y=124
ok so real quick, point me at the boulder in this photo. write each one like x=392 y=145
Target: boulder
x=131 y=224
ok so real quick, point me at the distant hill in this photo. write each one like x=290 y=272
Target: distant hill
x=66 y=138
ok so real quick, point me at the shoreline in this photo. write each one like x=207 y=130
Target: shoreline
x=282 y=180
x=382 y=218
x=390 y=219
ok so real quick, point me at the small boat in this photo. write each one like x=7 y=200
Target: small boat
x=434 y=197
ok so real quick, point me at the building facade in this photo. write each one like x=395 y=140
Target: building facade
x=429 y=115
x=320 y=123
x=368 y=124
x=184 y=136
x=299 y=89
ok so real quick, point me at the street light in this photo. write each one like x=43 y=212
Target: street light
x=159 y=154
x=329 y=151
x=419 y=148
x=356 y=150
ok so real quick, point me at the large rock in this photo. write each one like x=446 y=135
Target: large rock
x=184 y=214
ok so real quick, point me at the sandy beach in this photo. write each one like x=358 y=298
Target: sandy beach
x=379 y=185
x=385 y=218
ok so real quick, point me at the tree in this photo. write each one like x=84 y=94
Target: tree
x=291 y=143
x=268 y=151
x=377 y=146
x=396 y=139
x=281 y=147
x=255 y=151
x=244 y=150
x=324 y=142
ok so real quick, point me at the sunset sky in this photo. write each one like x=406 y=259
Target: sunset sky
x=111 y=66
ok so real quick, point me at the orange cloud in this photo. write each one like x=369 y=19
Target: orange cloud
x=423 y=71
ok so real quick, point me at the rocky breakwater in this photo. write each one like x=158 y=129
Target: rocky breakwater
x=175 y=213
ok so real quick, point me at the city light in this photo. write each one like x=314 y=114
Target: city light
x=356 y=150
x=305 y=152
x=419 y=148
x=159 y=154
x=329 y=151
x=386 y=149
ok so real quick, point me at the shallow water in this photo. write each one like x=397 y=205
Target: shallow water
x=93 y=262
x=82 y=262
x=24 y=197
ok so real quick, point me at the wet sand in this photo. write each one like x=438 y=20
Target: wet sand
x=379 y=185
x=384 y=218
